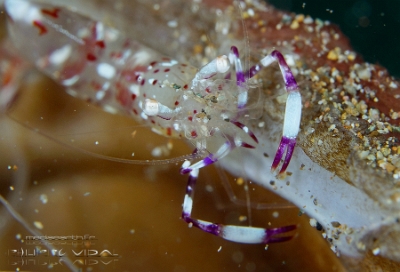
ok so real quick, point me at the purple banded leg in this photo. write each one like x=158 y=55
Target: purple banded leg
x=234 y=59
x=247 y=130
x=229 y=144
x=240 y=78
x=210 y=159
x=239 y=234
x=286 y=144
x=291 y=124
x=216 y=66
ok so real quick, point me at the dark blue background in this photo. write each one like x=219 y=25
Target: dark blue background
x=373 y=26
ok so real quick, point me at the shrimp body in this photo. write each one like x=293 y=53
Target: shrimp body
x=99 y=64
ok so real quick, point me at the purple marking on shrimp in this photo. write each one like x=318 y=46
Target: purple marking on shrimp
x=185 y=171
x=239 y=78
x=191 y=183
x=290 y=81
x=289 y=153
x=235 y=51
x=165 y=118
x=207 y=227
x=253 y=71
x=239 y=72
x=249 y=132
x=270 y=233
x=209 y=160
x=279 y=153
x=290 y=144
x=246 y=145
x=209 y=76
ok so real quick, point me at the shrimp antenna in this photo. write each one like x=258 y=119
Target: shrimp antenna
x=246 y=37
x=35 y=232
x=195 y=155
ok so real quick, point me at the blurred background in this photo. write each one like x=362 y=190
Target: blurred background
x=373 y=26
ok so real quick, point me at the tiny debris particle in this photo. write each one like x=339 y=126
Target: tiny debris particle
x=131 y=231
x=275 y=214
x=376 y=251
x=43 y=198
x=295 y=25
x=266 y=247
x=332 y=55
x=12 y=188
x=393 y=85
x=38 y=225
x=219 y=249
x=313 y=222
x=351 y=56
x=86 y=194
x=239 y=181
x=361 y=246
x=12 y=167
x=172 y=23
x=242 y=218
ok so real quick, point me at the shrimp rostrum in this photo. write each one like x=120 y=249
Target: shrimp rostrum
x=207 y=107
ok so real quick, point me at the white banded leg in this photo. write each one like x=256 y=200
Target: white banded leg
x=239 y=234
x=292 y=119
x=240 y=78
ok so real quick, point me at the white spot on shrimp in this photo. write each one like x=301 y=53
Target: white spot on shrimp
x=134 y=89
x=106 y=70
x=100 y=95
x=59 y=56
x=169 y=64
x=70 y=81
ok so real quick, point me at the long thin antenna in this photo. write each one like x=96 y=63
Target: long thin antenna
x=193 y=156
x=35 y=232
x=246 y=37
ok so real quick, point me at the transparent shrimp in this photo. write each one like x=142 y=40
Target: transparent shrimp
x=98 y=64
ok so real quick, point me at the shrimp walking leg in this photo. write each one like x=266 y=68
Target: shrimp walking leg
x=291 y=124
x=238 y=234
